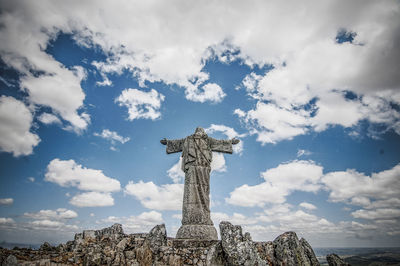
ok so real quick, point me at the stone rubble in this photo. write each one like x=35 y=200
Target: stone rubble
x=110 y=246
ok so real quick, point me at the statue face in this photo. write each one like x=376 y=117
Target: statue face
x=199 y=131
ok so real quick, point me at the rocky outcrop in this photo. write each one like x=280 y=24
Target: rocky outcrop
x=110 y=246
x=335 y=260
x=239 y=249
x=286 y=249
x=289 y=250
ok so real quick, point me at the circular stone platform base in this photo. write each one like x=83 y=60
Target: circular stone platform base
x=197 y=231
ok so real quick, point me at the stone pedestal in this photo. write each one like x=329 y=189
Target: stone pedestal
x=197 y=231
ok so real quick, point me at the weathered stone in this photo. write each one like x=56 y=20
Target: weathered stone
x=89 y=235
x=266 y=252
x=309 y=252
x=157 y=237
x=11 y=260
x=114 y=232
x=197 y=231
x=289 y=250
x=197 y=156
x=238 y=249
x=46 y=247
x=335 y=260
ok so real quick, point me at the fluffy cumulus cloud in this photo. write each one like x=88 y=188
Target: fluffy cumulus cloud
x=230 y=133
x=67 y=173
x=235 y=218
x=143 y=222
x=24 y=39
x=278 y=183
x=47 y=119
x=6 y=201
x=15 y=124
x=374 y=200
x=209 y=92
x=141 y=104
x=58 y=214
x=307 y=206
x=314 y=63
x=44 y=225
x=152 y=196
x=92 y=199
x=376 y=196
x=6 y=221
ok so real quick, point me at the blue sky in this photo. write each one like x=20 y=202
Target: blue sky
x=311 y=89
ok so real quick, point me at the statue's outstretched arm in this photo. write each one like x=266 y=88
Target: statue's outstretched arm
x=174 y=145
x=222 y=145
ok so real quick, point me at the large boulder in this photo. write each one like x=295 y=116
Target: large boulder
x=157 y=237
x=289 y=250
x=335 y=260
x=239 y=249
x=11 y=260
x=114 y=232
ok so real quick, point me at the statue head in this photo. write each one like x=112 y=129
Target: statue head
x=200 y=131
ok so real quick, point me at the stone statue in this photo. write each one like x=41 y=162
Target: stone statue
x=196 y=163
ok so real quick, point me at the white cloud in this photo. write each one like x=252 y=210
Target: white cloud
x=47 y=119
x=113 y=137
x=58 y=214
x=6 y=201
x=6 y=221
x=67 y=173
x=209 y=92
x=379 y=214
x=50 y=225
x=307 y=206
x=151 y=196
x=24 y=39
x=176 y=173
x=46 y=224
x=273 y=123
x=15 y=124
x=236 y=218
x=59 y=89
x=141 y=104
x=279 y=183
x=350 y=184
x=92 y=199
x=377 y=195
x=230 y=134
x=31 y=179
x=308 y=62
x=218 y=162
x=143 y=222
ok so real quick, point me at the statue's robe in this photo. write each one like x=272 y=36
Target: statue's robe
x=196 y=163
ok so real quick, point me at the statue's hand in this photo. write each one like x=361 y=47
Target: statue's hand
x=235 y=141
x=163 y=141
